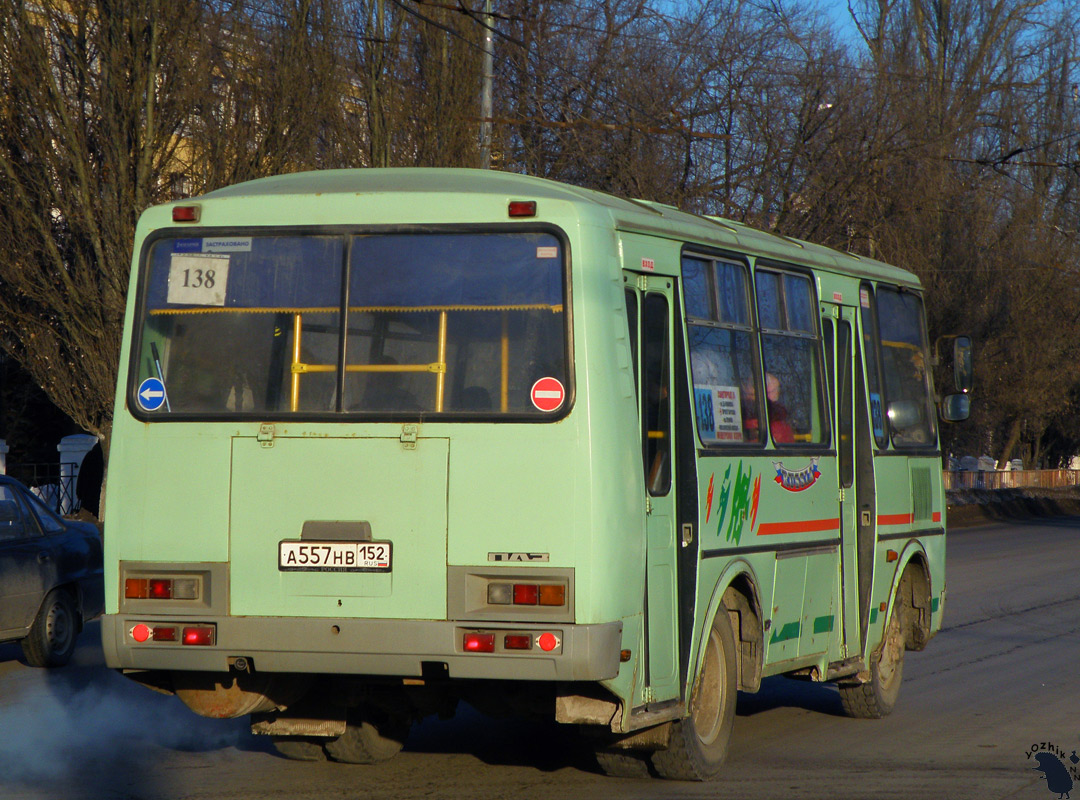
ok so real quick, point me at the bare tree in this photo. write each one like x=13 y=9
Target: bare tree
x=277 y=95
x=971 y=201
x=414 y=78
x=945 y=144
x=93 y=99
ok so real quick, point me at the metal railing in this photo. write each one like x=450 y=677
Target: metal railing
x=1012 y=479
x=53 y=483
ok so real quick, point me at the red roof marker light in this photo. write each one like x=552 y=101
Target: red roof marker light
x=185 y=214
x=522 y=208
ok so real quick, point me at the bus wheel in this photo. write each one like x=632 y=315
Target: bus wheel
x=876 y=698
x=370 y=737
x=300 y=748
x=698 y=743
x=623 y=763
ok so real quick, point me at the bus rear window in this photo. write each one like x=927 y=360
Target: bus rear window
x=385 y=324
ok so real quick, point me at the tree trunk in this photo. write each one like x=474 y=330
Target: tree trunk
x=1011 y=441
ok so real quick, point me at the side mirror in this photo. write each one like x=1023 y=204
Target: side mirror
x=955 y=407
x=963 y=364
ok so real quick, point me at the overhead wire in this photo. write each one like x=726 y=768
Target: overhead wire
x=912 y=76
x=461 y=7
x=614 y=98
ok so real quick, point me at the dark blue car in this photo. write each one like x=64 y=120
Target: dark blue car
x=51 y=580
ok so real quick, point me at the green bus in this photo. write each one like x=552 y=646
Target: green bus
x=390 y=439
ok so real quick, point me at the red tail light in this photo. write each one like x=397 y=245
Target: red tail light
x=526 y=594
x=199 y=635
x=517 y=641
x=162 y=588
x=479 y=643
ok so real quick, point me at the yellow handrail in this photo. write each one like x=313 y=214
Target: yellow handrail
x=298 y=367
x=301 y=368
x=504 y=380
x=554 y=309
x=294 y=397
x=440 y=378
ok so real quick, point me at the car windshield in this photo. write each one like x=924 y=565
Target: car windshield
x=49 y=521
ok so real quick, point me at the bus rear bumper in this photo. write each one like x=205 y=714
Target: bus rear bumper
x=367 y=647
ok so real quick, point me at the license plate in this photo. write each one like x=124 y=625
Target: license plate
x=306 y=556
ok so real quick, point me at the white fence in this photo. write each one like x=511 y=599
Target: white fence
x=1013 y=479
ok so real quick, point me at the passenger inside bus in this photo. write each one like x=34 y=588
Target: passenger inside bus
x=779 y=426
x=749 y=407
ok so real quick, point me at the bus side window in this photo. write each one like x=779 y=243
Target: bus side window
x=867 y=309
x=904 y=353
x=846 y=435
x=790 y=348
x=631 y=322
x=722 y=356
x=656 y=413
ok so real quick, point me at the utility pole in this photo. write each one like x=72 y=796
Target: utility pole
x=485 y=91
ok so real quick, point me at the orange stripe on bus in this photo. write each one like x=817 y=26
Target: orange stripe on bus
x=803 y=526
x=895 y=519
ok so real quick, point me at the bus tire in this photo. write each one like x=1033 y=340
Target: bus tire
x=623 y=763
x=876 y=698
x=51 y=639
x=698 y=744
x=370 y=737
x=299 y=748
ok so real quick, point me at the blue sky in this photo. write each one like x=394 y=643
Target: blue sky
x=838 y=11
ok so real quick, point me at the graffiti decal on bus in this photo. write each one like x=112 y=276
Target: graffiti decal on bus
x=743 y=501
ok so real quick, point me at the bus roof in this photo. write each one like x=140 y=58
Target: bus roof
x=628 y=215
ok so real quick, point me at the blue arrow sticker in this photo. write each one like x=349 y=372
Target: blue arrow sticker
x=151 y=394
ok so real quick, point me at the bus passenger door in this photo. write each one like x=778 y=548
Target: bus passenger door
x=855 y=474
x=865 y=482
x=649 y=310
x=843 y=366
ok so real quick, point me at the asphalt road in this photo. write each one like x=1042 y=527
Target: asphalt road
x=1003 y=676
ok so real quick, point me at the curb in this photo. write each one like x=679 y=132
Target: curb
x=967 y=508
